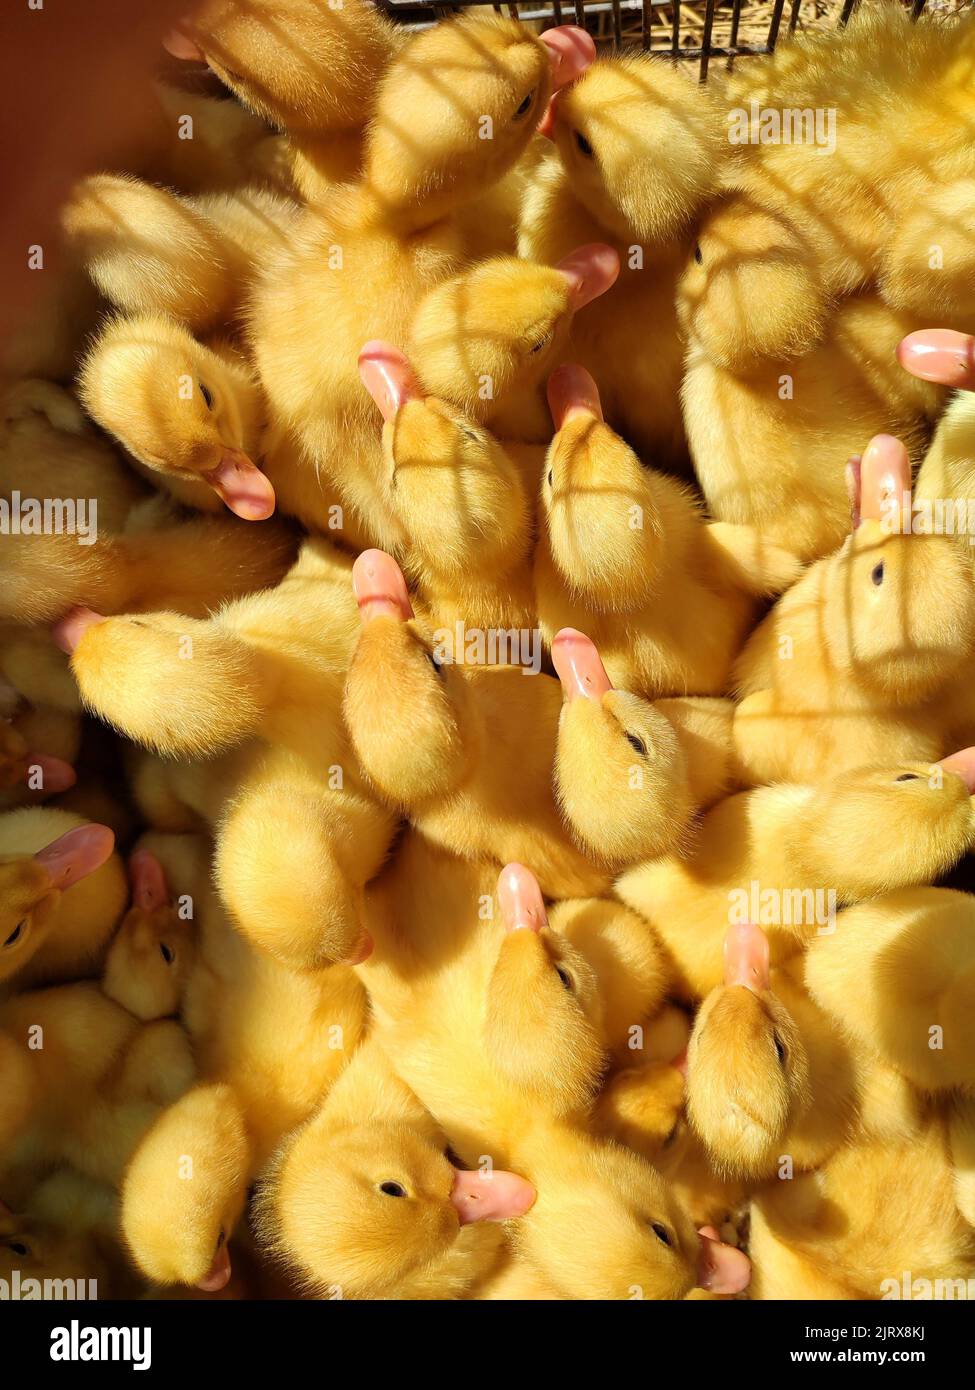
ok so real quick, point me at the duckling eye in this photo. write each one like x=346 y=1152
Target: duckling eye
x=662 y=1234
x=877 y=573
x=698 y=254
x=18 y=1247
x=435 y=662
x=566 y=978
x=207 y=397
x=525 y=105
x=221 y=1239
x=907 y=777
x=392 y=1189
x=550 y=477
x=583 y=145
x=638 y=744
x=780 y=1051
x=15 y=934
x=672 y=1136
x=470 y=434
x=166 y=953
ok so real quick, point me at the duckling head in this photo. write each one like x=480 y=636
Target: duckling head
x=152 y=952
x=37 y=1248
x=172 y=404
x=643 y=1108
x=29 y=775
x=607 y=1226
x=911 y=823
x=302 y=66
x=641 y=145
x=457 y=109
x=361 y=1212
x=747 y=1070
x=543 y=1014
x=619 y=768
x=898 y=608
x=459 y=497
x=394 y=668
x=750 y=289
x=499 y=325
x=606 y=531
x=185 y=1188
x=31 y=887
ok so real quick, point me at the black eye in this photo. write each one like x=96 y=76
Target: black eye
x=877 y=573
x=565 y=977
x=435 y=662
x=166 y=953
x=698 y=254
x=550 y=477
x=15 y=934
x=583 y=145
x=392 y=1189
x=18 y=1247
x=470 y=434
x=671 y=1137
x=779 y=1048
x=907 y=777
x=638 y=744
x=525 y=105
x=207 y=398
x=537 y=347
x=662 y=1234
x=221 y=1238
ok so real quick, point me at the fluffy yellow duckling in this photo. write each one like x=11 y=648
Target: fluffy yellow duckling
x=298 y=830
x=766 y=438
x=476 y=773
x=910 y=958
x=66 y=1230
x=62 y=892
x=356 y=272
x=456 y=997
x=638 y=150
x=189 y=413
x=782 y=854
x=626 y=556
x=866 y=657
x=363 y=1202
x=258 y=1081
x=876 y=1215
x=151 y=251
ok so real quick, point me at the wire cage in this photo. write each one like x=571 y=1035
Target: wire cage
x=692 y=31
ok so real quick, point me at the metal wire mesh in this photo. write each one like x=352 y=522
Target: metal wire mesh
x=692 y=31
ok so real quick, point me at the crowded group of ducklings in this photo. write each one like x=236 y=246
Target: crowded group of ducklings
x=600 y=956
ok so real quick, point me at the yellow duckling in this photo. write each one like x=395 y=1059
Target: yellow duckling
x=625 y=555
x=62 y=892
x=476 y=773
x=866 y=657
x=638 y=150
x=781 y=855
x=355 y=272
x=257 y=1080
x=298 y=830
x=456 y=1000
x=363 y=1202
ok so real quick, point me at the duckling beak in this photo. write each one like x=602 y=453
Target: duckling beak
x=363 y=950
x=571 y=50
x=379 y=587
x=721 y=1268
x=963 y=765
x=885 y=480
x=578 y=666
x=571 y=391
x=218 y=1275
x=939 y=354
x=520 y=897
x=75 y=855
x=180 y=45
x=388 y=377
x=746 y=957
x=56 y=774
x=490 y=1196
x=147 y=879
x=69 y=630
x=242 y=486
x=590 y=270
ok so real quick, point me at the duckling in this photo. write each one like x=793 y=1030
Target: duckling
x=476 y=772
x=766 y=436
x=189 y=413
x=257 y=1080
x=66 y=1230
x=362 y=1201
x=151 y=251
x=909 y=954
x=866 y=657
x=875 y=1212
x=626 y=556
x=782 y=854
x=27 y=776
x=63 y=892
x=392 y=234
x=455 y=1001
x=298 y=829
x=638 y=151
